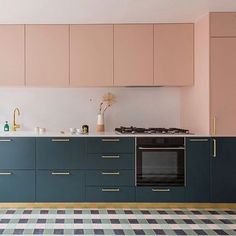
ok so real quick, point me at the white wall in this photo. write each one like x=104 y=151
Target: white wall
x=108 y=11
x=59 y=109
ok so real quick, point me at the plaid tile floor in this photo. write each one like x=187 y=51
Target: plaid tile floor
x=117 y=222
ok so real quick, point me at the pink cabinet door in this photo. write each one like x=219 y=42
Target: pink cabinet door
x=91 y=55
x=47 y=55
x=173 y=54
x=12 y=55
x=223 y=24
x=133 y=55
x=223 y=86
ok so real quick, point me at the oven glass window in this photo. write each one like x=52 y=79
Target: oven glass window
x=163 y=168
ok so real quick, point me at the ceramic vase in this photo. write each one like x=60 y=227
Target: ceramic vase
x=100 y=123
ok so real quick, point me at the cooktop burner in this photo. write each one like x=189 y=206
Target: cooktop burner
x=135 y=130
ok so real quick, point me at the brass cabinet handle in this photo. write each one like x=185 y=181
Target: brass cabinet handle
x=5 y=173
x=198 y=140
x=110 y=140
x=60 y=140
x=214 y=147
x=110 y=190
x=5 y=140
x=110 y=173
x=111 y=157
x=160 y=148
x=161 y=190
x=60 y=173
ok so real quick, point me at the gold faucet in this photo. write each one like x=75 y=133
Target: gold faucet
x=15 y=125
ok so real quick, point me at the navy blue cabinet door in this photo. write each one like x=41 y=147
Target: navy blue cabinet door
x=60 y=153
x=17 y=153
x=110 y=145
x=59 y=186
x=198 y=169
x=223 y=170
x=17 y=185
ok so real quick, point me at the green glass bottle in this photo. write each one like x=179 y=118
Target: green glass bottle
x=6 y=127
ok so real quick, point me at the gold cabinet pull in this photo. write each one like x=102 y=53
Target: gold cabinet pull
x=60 y=173
x=110 y=173
x=110 y=190
x=111 y=157
x=198 y=140
x=60 y=140
x=5 y=140
x=161 y=190
x=5 y=173
x=214 y=147
x=110 y=140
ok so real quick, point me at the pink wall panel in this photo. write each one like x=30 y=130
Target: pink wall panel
x=91 y=55
x=223 y=24
x=133 y=55
x=195 y=110
x=47 y=55
x=12 y=55
x=173 y=54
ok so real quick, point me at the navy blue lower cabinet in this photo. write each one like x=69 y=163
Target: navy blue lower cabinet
x=17 y=185
x=109 y=161
x=198 y=169
x=160 y=194
x=60 y=153
x=17 y=153
x=59 y=186
x=109 y=177
x=223 y=170
x=111 y=145
x=110 y=194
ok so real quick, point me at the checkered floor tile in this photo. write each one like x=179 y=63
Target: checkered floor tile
x=117 y=222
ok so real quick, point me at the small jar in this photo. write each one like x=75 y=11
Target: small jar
x=85 y=129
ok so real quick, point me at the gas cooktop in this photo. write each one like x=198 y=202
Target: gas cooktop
x=135 y=130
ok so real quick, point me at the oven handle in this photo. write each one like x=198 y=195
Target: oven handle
x=161 y=148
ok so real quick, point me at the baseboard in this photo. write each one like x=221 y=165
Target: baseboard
x=136 y=205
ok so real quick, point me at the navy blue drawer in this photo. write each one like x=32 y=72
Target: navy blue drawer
x=17 y=153
x=110 y=194
x=17 y=185
x=60 y=153
x=110 y=145
x=110 y=177
x=109 y=161
x=59 y=186
x=159 y=194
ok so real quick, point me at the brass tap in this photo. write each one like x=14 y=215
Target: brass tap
x=15 y=125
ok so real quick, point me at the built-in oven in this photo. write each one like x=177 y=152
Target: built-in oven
x=160 y=161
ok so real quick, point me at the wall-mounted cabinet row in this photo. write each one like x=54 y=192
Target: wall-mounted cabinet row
x=103 y=169
x=96 y=55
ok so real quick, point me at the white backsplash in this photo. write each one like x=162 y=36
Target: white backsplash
x=61 y=108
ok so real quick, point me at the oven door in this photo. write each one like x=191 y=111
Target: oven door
x=158 y=166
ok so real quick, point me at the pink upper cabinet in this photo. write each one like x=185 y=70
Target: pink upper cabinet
x=173 y=54
x=91 y=55
x=133 y=55
x=223 y=86
x=47 y=55
x=223 y=24
x=12 y=55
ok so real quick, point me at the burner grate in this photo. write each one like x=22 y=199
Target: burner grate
x=135 y=130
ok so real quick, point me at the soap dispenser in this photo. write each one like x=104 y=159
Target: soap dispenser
x=6 y=127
